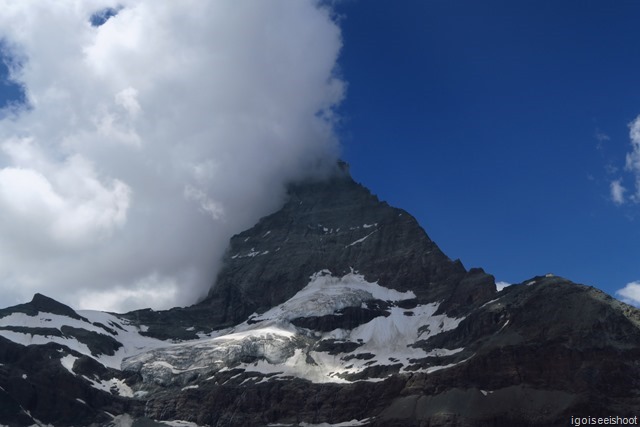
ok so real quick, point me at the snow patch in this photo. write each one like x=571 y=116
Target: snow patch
x=113 y=385
x=252 y=253
x=442 y=352
x=450 y=365
x=124 y=420
x=68 y=361
x=190 y=387
x=180 y=423
x=489 y=302
x=501 y=285
x=325 y=294
x=360 y=240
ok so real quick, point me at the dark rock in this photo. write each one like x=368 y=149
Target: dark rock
x=347 y=318
x=360 y=356
x=98 y=343
x=38 y=384
x=336 y=347
x=178 y=323
x=408 y=303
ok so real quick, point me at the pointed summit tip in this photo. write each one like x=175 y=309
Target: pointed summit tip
x=38 y=297
x=343 y=167
x=340 y=171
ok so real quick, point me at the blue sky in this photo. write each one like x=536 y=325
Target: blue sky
x=500 y=126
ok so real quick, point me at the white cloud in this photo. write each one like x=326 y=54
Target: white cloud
x=632 y=166
x=152 y=290
x=617 y=192
x=632 y=163
x=501 y=285
x=601 y=136
x=633 y=158
x=630 y=293
x=153 y=138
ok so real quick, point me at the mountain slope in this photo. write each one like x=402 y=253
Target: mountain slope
x=336 y=309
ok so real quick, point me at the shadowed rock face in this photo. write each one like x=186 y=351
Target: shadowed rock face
x=35 y=386
x=290 y=334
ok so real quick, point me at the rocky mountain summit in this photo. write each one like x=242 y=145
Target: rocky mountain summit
x=336 y=310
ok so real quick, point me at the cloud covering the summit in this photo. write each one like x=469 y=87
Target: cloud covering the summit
x=149 y=140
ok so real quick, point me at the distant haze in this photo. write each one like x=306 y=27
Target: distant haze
x=150 y=138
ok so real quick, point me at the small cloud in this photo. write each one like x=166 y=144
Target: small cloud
x=601 y=137
x=617 y=192
x=633 y=158
x=631 y=192
x=634 y=132
x=630 y=293
x=153 y=290
x=501 y=285
x=207 y=205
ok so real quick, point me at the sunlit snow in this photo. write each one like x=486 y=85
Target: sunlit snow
x=267 y=343
x=285 y=350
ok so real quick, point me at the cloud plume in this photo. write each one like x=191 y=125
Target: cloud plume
x=632 y=166
x=153 y=131
x=617 y=191
x=630 y=293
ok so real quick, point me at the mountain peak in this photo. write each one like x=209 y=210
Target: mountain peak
x=46 y=304
x=41 y=304
x=340 y=226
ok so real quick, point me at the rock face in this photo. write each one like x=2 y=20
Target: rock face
x=336 y=310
